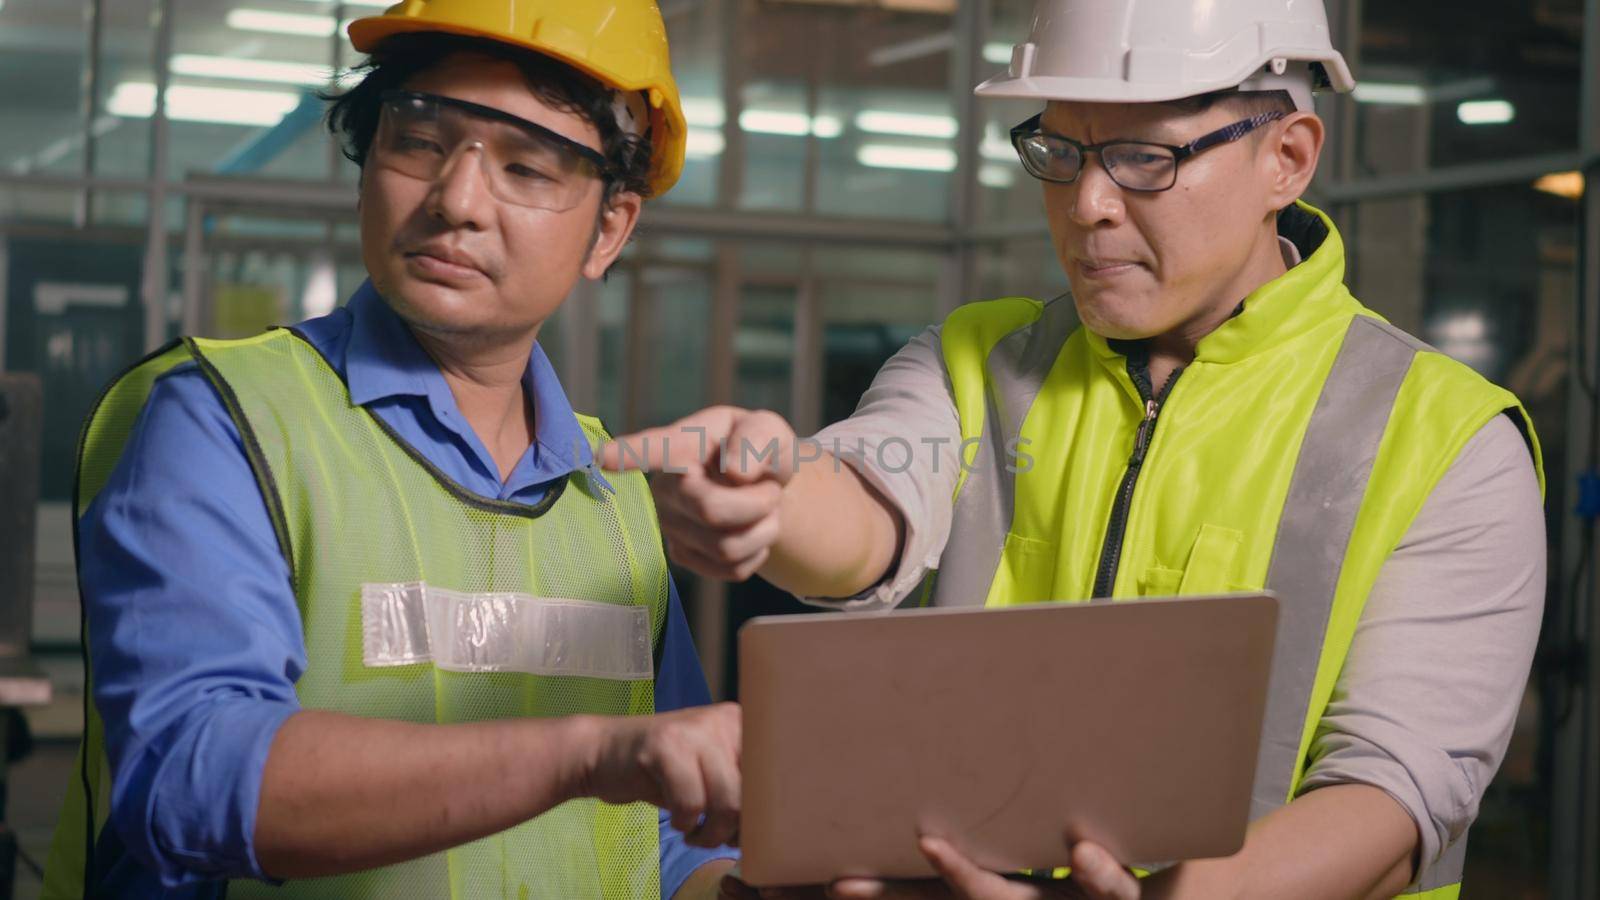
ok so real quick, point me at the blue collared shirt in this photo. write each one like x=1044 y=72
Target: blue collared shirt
x=196 y=639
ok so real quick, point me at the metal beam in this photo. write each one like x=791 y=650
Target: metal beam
x=971 y=25
x=580 y=341
x=810 y=352
x=194 y=266
x=94 y=11
x=256 y=153
x=638 y=342
x=739 y=224
x=156 y=284
x=1575 y=793
x=1456 y=178
x=709 y=615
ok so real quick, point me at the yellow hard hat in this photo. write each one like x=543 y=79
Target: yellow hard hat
x=621 y=43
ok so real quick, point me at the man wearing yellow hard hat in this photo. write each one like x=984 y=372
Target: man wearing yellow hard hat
x=1209 y=411
x=362 y=617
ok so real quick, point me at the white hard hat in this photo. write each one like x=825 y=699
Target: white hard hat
x=1145 y=51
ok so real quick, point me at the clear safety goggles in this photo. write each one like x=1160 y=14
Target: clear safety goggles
x=524 y=164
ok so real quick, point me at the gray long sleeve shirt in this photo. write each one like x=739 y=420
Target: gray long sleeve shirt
x=1424 y=706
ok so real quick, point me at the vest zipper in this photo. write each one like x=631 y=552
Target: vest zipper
x=1111 y=553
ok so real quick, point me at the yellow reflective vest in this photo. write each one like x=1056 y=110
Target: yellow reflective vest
x=1291 y=455
x=353 y=506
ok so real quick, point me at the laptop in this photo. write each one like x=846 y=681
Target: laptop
x=1010 y=732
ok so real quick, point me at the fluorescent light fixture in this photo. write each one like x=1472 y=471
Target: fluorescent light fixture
x=1563 y=184
x=1378 y=92
x=995 y=146
x=1486 y=112
x=1462 y=328
x=322 y=286
x=895 y=156
x=250 y=69
x=703 y=144
x=791 y=124
x=283 y=23
x=997 y=53
x=704 y=112
x=827 y=127
x=188 y=103
x=880 y=121
x=996 y=176
x=766 y=121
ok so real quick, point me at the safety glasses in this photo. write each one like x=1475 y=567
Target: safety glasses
x=1134 y=165
x=524 y=164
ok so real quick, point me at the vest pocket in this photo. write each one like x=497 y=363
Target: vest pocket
x=1027 y=572
x=1211 y=561
x=1159 y=581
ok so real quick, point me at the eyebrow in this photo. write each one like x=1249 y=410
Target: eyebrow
x=1157 y=134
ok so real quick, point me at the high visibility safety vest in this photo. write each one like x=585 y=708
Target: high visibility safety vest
x=1291 y=455
x=360 y=517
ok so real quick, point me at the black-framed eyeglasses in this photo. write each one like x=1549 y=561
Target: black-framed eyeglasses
x=523 y=162
x=1135 y=165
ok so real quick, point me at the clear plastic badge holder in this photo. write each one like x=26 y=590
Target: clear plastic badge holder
x=409 y=623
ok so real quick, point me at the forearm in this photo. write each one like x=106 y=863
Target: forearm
x=1337 y=843
x=839 y=536
x=341 y=793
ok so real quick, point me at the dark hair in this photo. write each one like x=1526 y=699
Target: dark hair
x=353 y=115
x=1246 y=103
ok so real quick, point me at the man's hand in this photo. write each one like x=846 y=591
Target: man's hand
x=705 y=883
x=1095 y=876
x=686 y=762
x=718 y=482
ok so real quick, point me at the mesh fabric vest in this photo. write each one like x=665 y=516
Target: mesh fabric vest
x=353 y=505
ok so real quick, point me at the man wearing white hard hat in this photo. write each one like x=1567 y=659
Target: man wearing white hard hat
x=1210 y=410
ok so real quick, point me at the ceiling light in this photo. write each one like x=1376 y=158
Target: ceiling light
x=1486 y=112
x=827 y=127
x=703 y=112
x=703 y=144
x=250 y=69
x=283 y=23
x=893 y=156
x=995 y=146
x=188 y=103
x=1563 y=184
x=999 y=54
x=1462 y=327
x=792 y=124
x=766 y=121
x=996 y=176
x=880 y=121
x=1378 y=92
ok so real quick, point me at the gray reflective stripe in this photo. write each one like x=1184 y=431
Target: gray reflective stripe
x=1319 y=515
x=407 y=623
x=1016 y=370
x=1447 y=871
